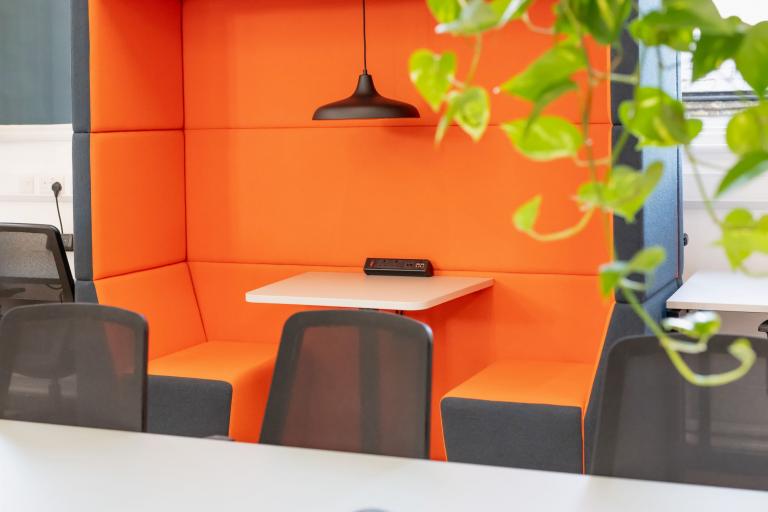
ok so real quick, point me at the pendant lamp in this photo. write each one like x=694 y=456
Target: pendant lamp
x=365 y=102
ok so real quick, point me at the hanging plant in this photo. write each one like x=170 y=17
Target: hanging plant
x=651 y=116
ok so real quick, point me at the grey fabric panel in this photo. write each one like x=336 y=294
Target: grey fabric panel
x=532 y=436
x=188 y=407
x=85 y=291
x=81 y=173
x=624 y=322
x=630 y=57
x=660 y=221
x=621 y=92
x=34 y=53
x=81 y=82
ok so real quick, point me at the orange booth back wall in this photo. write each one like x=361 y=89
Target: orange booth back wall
x=206 y=110
x=268 y=187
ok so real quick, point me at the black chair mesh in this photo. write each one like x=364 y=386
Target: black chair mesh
x=355 y=381
x=33 y=266
x=74 y=364
x=654 y=425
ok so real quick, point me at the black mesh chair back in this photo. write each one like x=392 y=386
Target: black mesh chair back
x=654 y=425
x=74 y=364
x=355 y=381
x=33 y=266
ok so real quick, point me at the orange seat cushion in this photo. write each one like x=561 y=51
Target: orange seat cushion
x=246 y=366
x=532 y=382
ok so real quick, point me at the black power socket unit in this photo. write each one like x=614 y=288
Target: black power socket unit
x=398 y=267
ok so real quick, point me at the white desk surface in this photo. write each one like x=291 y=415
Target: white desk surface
x=357 y=290
x=722 y=291
x=54 y=468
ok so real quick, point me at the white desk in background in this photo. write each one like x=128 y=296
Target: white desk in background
x=55 y=468
x=722 y=291
x=357 y=290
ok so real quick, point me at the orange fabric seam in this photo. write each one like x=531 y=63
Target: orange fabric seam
x=137 y=271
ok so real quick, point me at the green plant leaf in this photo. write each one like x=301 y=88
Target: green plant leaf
x=617 y=273
x=752 y=58
x=748 y=130
x=508 y=10
x=549 y=71
x=471 y=110
x=702 y=14
x=748 y=168
x=712 y=50
x=432 y=74
x=656 y=119
x=698 y=325
x=479 y=16
x=476 y=17
x=611 y=275
x=546 y=138
x=743 y=235
x=647 y=260
x=526 y=214
x=602 y=19
x=678 y=23
x=624 y=191
x=663 y=29
x=444 y=11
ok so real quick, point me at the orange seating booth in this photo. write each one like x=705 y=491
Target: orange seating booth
x=199 y=175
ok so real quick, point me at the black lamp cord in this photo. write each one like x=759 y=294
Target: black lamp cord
x=56 y=187
x=365 y=45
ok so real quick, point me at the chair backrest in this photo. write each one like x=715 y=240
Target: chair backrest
x=74 y=364
x=655 y=425
x=33 y=266
x=354 y=381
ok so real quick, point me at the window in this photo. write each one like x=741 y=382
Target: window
x=713 y=99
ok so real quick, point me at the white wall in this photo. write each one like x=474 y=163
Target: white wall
x=31 y=157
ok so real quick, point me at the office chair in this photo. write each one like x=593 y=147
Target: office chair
x=355 y=381
x=654 y=425
x=74 y=364
x=33 y=266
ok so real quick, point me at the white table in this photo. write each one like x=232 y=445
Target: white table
x=722 y=291
x=46 y=467
x=357 y=290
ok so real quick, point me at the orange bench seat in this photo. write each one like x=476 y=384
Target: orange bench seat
x=519 y=413
x=247 y=367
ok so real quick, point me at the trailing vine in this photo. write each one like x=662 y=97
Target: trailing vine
x=651 y=117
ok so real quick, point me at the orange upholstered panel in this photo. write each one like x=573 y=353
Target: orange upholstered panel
x=254 y=63
x=220 y=289
x=135 y=65
x=532 y=382
x=137 y=201
x=166 y=298
x=545 y=318
x=334 y=196
x=246 y=366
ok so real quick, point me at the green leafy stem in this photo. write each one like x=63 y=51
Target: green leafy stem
x=651 y=118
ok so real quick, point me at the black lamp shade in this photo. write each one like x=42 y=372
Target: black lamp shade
x=365 y=103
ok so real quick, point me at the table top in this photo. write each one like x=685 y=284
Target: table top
x=722 y=291
x=357 y=290
x=49 y=467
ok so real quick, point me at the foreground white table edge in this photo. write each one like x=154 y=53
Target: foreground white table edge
x=48 y=467
x=357 y=290
x=721 y=291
